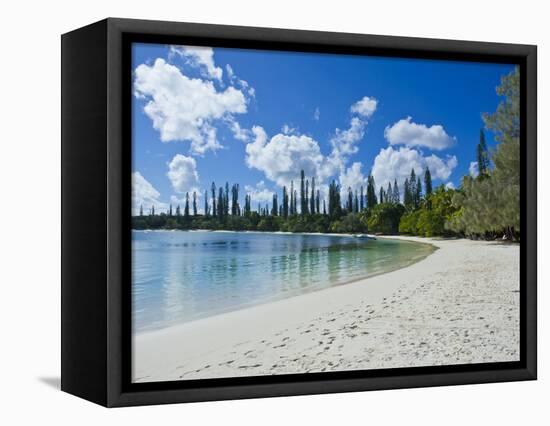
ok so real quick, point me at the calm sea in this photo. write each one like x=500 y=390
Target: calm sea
x=181 y=276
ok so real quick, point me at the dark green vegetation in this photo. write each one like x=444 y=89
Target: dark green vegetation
x=486 y=206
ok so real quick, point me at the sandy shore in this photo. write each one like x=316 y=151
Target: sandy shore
x=459 y=305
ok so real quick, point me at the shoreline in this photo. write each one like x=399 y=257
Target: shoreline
x=403 y=318
x=227 y=231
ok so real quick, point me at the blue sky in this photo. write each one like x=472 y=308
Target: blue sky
x=257 y=117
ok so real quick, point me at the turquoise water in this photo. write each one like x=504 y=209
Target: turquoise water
x=180 y=276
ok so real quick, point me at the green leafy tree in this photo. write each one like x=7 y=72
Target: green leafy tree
x=351 y=222
x=384 y=218
x=489 y=207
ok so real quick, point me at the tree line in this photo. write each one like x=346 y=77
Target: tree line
x=295 y=210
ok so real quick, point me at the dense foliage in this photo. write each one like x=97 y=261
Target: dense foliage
x=430 y=218
x=489 y=203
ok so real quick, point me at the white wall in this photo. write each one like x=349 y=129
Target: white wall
x=30 y=188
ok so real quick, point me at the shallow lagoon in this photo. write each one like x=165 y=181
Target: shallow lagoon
x=179 y=276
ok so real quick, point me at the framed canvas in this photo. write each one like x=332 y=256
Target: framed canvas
x=254 y=212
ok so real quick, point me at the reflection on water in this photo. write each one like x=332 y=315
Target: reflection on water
x=181 y=276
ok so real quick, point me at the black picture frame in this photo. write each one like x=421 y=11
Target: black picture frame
x=96 y=148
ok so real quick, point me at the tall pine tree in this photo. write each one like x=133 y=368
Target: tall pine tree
x=418 y=193
x=396 y=199
x=303 y=203
x=285 y=203
x=291 y=207
x=482 y=155
x=214 y=212
x=428 y=182
x=186 y=208
x=312 y=198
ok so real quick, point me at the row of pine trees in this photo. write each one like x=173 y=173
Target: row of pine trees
x=310 y=202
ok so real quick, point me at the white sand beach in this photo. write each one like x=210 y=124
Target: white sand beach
x=459 y=305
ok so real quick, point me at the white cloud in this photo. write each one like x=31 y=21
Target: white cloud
x=239 y=132
x=365 y=107
x=474 y=169
x=199 y=57
x=182 y=172
x=406 y=132
x=352 y=178
x=391 y=164
x=259 y=193
x=317 y=114
x=243 y=84
x=344 y=142
x=184 y=109
x=230 y=72
x=450 y=185
x=144 y=195
x=283 y=156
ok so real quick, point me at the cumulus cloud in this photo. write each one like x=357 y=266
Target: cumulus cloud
x=365 y=107
x=282 y=157
x=352 y=178
x=182 y=172
x=185 y=109
x=199 y=57
x=259 y=193
x=450 y=185
x=406 y=132
x=144 y=195
x=474 y=169
x=391 y=164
